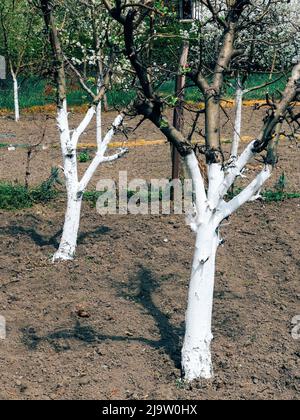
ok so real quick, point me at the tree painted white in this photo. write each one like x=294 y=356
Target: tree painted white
x=99 y=110
x=99 y=123
x=241 y=91
x=238 y=119
x=210 y=211
x=75 y=187
x=16 y=96
x=196 y=354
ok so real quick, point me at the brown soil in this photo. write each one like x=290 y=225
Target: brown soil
x=131 y=287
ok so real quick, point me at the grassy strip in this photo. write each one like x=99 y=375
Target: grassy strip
x=275 y=196
x=270 y=196
x=33 y=93
x=16 y=196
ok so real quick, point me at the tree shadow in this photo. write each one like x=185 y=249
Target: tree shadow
x=43 y=240
x=144 y=285
x=102 y=230
x=33 y=234
x=83 y=333
x=141 y=289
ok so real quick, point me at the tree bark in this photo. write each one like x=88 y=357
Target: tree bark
x=238 y=120
x=16 y=96
x=212 y=127
x=179 y=111
x=196 y=353
x=75 y=189
x=68 y=243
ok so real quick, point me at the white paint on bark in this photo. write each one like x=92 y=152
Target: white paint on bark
x=76 y=188
x=100 y=158
x=238 y=120
x=227 y=209
x=99 y=123
x=83 y=126
x=16 y=96
x=99 y=108
x=235 y=169
x=196 y=353
x=215 y=178
x=211 y=210
x=192 y=165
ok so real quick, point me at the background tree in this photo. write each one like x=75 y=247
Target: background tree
x=212 y=204
x=69 y=138
x=20 y=42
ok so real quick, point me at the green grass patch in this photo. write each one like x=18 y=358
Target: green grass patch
x=33 y=92
x=84 y=157
x=269 y=196
x=16 y=196
x=275 y=196
x=157 y=195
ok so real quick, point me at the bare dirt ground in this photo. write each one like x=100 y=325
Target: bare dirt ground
x=133 y=285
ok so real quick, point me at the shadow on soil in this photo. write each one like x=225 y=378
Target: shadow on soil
x=53 y=241
x=140 y=292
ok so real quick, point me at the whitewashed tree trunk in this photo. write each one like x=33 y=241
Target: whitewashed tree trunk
x=196 y=354
x=99 y=115
x=16 y=96
x=76 y=188
x=210 y=211
x=99 y=123
x=238 y=120
x=68 y=244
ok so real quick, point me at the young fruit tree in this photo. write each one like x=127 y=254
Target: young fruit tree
x=261 y=56
x=213 y=206
x=84 y=40
x=19 y=42
x=69 y=138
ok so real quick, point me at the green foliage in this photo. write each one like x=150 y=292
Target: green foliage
x=32 y=93
x=46 y=191
x=275 y=195
x=172 y=101
x=92 y=197
x=21 y=35
x=281 y=184
x=164 y=124
x=163 y=9
x=16 y=196
x=258 y=80
x=84 y=157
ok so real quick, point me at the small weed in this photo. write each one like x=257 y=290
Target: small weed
x=180 y=384
x=92 y=197
x=275 y=196
x=270 y=196
x=16 y=196
x=281 y=184
x=84 y=157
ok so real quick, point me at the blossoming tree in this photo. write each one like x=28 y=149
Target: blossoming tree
x=212 y=204
x=69 y=138
x=19 y=42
